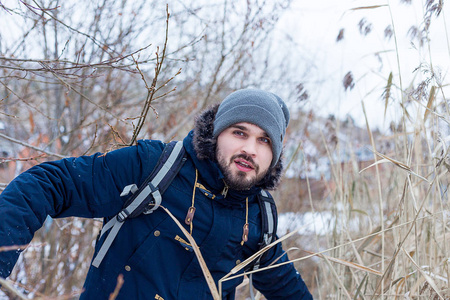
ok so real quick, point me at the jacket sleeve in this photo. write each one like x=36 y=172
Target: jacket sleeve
x=87 y=186
x=282 y=282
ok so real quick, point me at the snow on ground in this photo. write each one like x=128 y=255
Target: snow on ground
x=305 y=223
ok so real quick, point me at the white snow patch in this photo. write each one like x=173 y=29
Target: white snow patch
x=305 y=223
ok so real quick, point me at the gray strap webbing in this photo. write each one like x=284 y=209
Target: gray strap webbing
x=109 y=239
x=270 y=224
x=114 y=224
x=267 y=238
x=170 y=161
x=270 y=232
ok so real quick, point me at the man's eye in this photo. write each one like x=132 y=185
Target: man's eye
x=265 y=140
x=240 y=133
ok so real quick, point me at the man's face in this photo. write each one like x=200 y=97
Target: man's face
x=244 y=153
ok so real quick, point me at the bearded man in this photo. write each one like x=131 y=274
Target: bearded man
x=232 y=155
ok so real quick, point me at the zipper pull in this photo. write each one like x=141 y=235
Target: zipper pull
x=225 y=190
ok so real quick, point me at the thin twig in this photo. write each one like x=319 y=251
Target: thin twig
x=13 y=248
x=152 y=89
x=31 y=146
x=119 y=284
x=69 y=86
x=103 y=46
x=10 y=159
x=116 y=133
x=76 y=65
x=93 y=140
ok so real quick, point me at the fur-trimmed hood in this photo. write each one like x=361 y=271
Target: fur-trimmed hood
x=205 y=147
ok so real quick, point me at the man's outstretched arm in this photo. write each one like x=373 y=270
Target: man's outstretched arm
x=86 y=186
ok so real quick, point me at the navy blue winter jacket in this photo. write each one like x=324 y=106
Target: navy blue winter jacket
x=147 y=250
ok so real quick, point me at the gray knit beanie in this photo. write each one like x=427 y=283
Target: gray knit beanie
x=257 y=107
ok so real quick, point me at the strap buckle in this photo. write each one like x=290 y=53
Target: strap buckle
x=122 y=215
x=132 y=188
x=156 y=195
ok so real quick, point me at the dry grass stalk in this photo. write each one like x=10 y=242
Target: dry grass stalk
x=257 y=254
x=250 y=260
x=119 y=284
x=395 y=162
x=209 y=279
x=9 y=287
x=429 y=280
x=380 y=194
x=347 y=263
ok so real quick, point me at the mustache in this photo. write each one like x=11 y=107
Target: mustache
x=247 y=158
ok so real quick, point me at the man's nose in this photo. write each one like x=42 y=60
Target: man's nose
x=249 y=147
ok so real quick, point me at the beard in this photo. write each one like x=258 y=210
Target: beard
x=238 y=180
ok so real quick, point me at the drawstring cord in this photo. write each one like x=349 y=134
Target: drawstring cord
x=191 y=210
x=245 y=229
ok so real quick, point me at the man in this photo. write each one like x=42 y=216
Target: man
x=232 y=153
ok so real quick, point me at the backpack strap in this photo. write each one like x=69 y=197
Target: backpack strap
x=269 y=218
x=148 y=197
x=269 y=222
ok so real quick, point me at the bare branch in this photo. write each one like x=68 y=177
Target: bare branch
x=30 y=146
x=151 y=90
x=10 y=159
